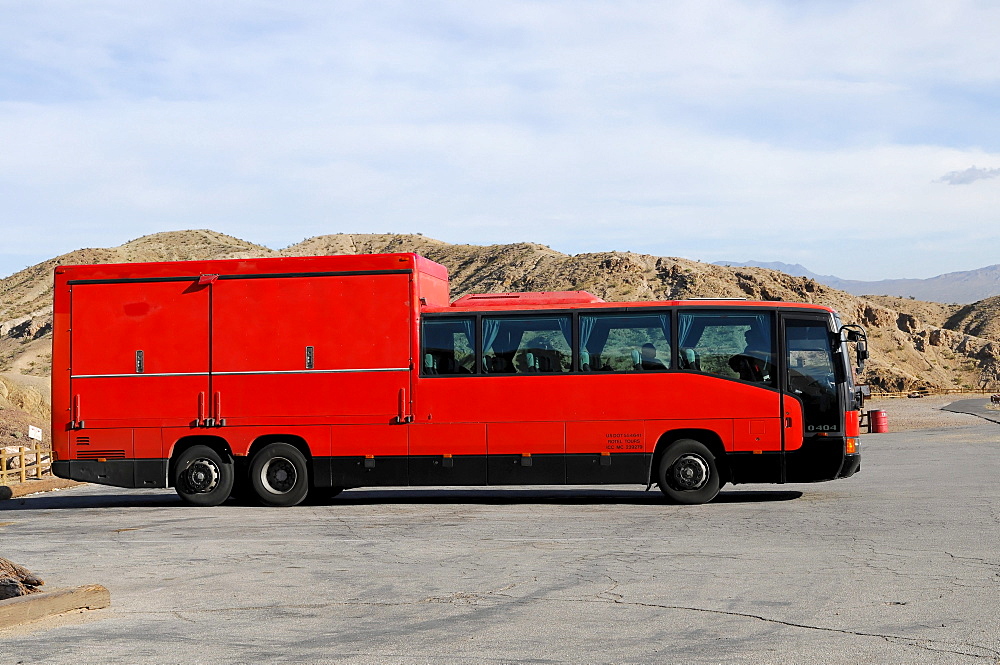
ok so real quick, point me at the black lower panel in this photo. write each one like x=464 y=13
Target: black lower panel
x=367 y=472
x=819 y=458
x=117 y=473
x=481 y=470
x=750 y=468
x=320 y=470
x=617 y=469
x=522 y=470
x=437 y=470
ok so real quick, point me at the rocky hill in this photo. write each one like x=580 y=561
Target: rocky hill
x=914 y=344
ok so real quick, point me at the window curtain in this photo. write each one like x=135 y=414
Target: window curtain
x=491 y=328
x=469 y=328
x=685 y=323
x=586 y=330
x=566 y=327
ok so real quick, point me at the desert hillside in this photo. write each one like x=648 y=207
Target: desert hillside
x=914 y=344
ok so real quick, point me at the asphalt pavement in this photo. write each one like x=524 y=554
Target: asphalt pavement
x=978 y=407
x=899 y=564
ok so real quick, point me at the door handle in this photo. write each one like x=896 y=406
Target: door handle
x=401 y=416
x=217 y=419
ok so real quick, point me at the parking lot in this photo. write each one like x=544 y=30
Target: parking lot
x=899 y=564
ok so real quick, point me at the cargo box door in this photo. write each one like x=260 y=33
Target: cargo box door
x=139 y=352
x=291 y=348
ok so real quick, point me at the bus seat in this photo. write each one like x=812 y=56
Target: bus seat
x=531 y=362
x=498 y=365
x=688 y=359
x=584 y=361
x=430 y=364
x=636 y=359
x=544 y=362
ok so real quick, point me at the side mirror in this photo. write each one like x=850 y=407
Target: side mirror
x=862 y=393
x=856 y=335
x=862 y=353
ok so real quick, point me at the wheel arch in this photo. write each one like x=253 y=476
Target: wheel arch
x=709 y=438
x=291 y=439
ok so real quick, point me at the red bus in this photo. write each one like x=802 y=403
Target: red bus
x=284 y=376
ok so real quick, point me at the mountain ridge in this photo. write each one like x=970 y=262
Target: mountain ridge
x=915 y=344
x=961 y=287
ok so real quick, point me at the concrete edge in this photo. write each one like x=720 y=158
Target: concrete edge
x=36 y=606
x=33 y=486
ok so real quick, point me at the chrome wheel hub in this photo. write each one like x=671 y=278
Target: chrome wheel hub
x=689 y=472
x=278 y=476
x=202 y=476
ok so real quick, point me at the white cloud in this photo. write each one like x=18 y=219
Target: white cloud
x=788 y=131
x=968 y=176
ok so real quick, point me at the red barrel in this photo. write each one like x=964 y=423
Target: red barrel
x=878 y=422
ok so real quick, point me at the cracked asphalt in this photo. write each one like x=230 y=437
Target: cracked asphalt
x=899 y=564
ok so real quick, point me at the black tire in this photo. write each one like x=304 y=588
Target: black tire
x=279 y=475
x=203 y=477
x=688 y=473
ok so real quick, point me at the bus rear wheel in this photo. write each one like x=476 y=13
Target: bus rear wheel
x=688 y=472
x=202 y=477
x=279 y=475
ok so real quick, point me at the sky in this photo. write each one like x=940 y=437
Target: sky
x=859 y=139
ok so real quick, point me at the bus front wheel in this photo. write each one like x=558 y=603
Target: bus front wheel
x=688 y=472
x=279 y=475
x=203 y=477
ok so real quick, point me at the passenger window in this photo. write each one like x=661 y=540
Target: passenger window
x=624 y=342
x=526 y=345
x=448 y=347
x=736 y=345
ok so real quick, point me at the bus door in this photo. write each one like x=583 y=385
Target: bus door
x=811 y=380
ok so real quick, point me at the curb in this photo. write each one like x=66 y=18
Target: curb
x=35 y=606
x=33 y=486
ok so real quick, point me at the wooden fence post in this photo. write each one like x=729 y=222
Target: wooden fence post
x=37 y=467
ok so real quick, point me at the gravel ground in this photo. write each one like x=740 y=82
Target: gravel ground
x=906 y=414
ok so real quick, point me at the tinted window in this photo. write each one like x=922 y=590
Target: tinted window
x=526 y=345
x=624 y=342
x=448 y=346
x=735 y=345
